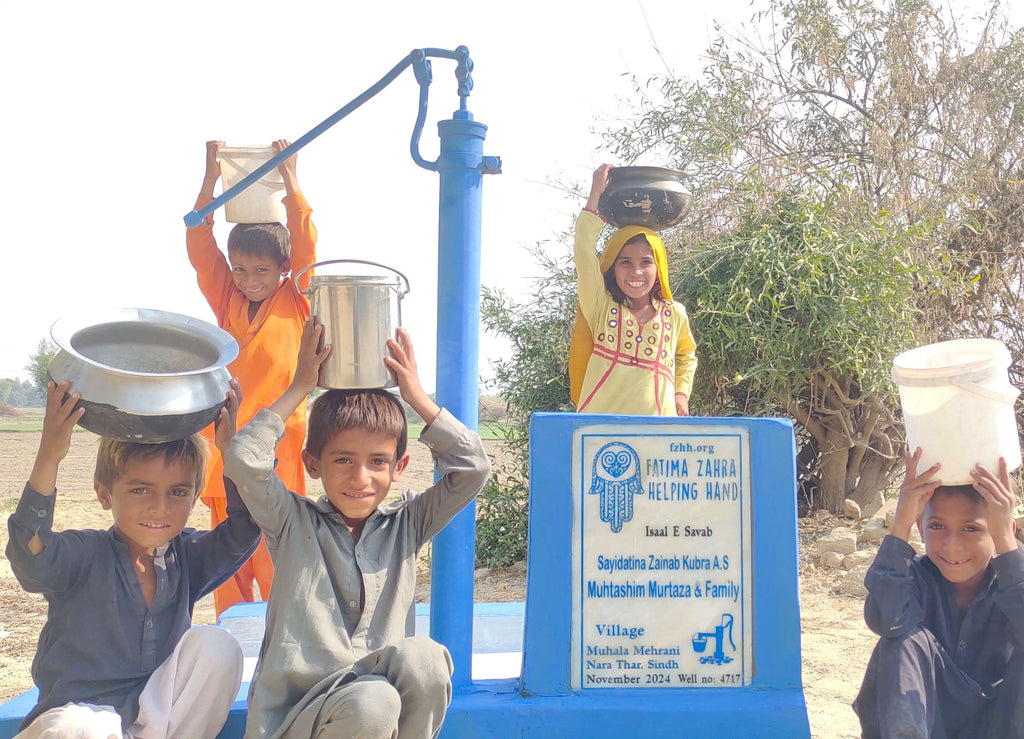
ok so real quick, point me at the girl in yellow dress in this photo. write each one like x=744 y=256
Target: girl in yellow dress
x=632 y=351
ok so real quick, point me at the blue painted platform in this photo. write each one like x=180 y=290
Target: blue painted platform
x=497 y=658
x=493 y=705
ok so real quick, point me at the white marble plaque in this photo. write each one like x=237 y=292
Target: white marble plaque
x=661 y=557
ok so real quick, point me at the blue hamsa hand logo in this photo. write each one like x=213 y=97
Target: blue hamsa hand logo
x=616 y=478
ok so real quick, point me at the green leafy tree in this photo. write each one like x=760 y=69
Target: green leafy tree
x=532 y=377
x=501 y=507
x=858 y=180
x=27 y=395
x=21 y=393
x=38 y=361
x=799 y=310
x=912 y=116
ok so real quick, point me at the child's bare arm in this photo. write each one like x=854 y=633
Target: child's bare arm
x=307 y=369
x=59 y=420
x=998 y=492
x=212 y=173
x=915 y=492
x=287 y=167
x=226 y=423
x=403 y=363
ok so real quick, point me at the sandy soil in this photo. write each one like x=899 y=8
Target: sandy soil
x=835 y=642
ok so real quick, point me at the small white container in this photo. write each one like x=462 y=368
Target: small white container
x=261 y=201
x=958 y=406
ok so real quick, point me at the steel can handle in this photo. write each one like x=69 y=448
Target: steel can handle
x=401 y=294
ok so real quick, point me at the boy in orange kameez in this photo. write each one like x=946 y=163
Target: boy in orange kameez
x=257 y=302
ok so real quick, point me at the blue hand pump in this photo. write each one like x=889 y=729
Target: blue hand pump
x=461 y=166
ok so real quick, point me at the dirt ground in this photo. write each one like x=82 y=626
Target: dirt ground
x=835 y=643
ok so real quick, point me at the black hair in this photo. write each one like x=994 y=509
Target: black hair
x=966 y=491
x=268 y=240
x=375 y=411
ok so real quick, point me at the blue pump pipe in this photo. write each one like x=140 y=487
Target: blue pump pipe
x=461 y=165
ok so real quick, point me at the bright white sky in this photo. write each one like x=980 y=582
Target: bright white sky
x=108 y=105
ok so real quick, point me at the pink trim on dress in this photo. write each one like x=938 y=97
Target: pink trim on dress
x=627 y=360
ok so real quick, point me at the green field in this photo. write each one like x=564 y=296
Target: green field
x=487 y=430
x=28 y=419
x=31 y=419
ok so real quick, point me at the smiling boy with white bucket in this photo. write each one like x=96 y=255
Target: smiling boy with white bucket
x=950 y=658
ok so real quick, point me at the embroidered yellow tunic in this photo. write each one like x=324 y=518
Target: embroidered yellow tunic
x=633 y=369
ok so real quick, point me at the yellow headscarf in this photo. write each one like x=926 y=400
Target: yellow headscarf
x=582 y=343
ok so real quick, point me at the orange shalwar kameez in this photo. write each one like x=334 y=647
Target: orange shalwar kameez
x=268 y=346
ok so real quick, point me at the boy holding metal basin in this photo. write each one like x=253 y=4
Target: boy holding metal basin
x=117 y=653
x=950 y=660
x=337 y=655
x=256 y=301
x=632 y=350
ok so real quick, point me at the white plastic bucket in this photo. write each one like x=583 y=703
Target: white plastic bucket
x=958 y=406
x=261 y=201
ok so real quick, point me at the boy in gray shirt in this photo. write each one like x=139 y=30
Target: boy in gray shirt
x=337 y=657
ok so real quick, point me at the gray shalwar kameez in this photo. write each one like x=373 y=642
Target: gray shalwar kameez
x=318 y=639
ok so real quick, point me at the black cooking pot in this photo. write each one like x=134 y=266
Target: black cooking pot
x=653 y=197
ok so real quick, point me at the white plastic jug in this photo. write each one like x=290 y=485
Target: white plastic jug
x=958 y=406
x=261 y=201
